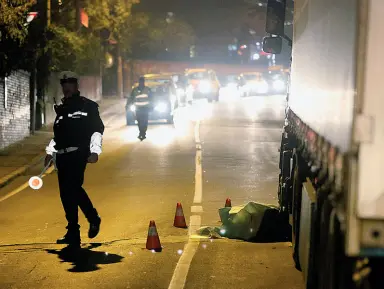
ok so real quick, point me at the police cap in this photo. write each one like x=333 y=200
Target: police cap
x=68 y=77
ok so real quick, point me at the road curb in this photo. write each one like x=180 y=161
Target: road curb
x=16 y=173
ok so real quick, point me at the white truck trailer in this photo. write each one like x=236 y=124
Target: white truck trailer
x=332 y=148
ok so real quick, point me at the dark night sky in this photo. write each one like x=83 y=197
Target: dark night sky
x=207 y=17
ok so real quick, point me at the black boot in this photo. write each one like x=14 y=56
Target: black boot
x=94 y=227
x=71 y=238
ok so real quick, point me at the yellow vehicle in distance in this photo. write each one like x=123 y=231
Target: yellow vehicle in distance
x=202 y=84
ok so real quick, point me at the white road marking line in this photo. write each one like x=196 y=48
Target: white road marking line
x=198 y=179
x=23 y=186
x=194 y=224
x=180 y=274
x=197 y=132
x=196 y=209
x=182 y=268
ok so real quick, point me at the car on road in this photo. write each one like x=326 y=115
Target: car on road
x=277 y=81
x=229 y=85
x=161 y=107
x=156 y=77
x=177 y=85
x=253 y=83
x=202 y=84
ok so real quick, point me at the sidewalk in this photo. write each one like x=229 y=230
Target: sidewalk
x=17 y=158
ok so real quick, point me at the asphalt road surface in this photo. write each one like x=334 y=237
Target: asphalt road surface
x=226 y=149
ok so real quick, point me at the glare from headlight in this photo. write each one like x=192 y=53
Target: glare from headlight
x=133 y=107
x=204 y=87
x=253 y=85
x=161 y=107
x=278 y=84
x=232 y=85
x=263 y=87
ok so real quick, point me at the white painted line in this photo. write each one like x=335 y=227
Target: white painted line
x=194 y=224
x=198 y=179
x=197 y=132
x=181 y=271
x=24 y=186
x=196 y=209
x=179 y=277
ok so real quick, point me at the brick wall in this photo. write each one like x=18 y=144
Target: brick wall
x=14 y=108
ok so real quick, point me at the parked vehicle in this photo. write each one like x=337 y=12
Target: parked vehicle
x=331 y=153
x=202 y=83
x=253 y=83
x=229 y=85
x=176 y=84
x=277 y=81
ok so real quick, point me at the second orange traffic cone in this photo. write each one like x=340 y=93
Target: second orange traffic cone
x=153 y=241
x=179 y=221
x=228 y=203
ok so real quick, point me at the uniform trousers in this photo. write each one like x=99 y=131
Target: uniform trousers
x=71 y=168
x=142 y=115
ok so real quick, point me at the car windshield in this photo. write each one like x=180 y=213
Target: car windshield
x=159 y=80
x=225 y=79
x=159 y=89
x=274 y=75
x=198 y=75
x=251 y=76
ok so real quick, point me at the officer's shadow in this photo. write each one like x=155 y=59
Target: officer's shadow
x=84 y=259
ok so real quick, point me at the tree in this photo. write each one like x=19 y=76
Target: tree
x=13 y=17
x=13 y=33
x=161 y=36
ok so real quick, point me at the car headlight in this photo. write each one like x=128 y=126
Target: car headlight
x=132 y=107
x=278 y=84
x=161 y=107
x=204 y=87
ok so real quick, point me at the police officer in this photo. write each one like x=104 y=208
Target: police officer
x=141 y=97
x=78 y=131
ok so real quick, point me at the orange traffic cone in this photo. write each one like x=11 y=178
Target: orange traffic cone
x=153 y=241
x=179 y=221
x=228 y=203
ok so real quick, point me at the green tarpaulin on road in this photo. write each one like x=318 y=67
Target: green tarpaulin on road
x=250 y=222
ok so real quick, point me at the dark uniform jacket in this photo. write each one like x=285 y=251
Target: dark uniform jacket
x=141 y=97
x=77 y=119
